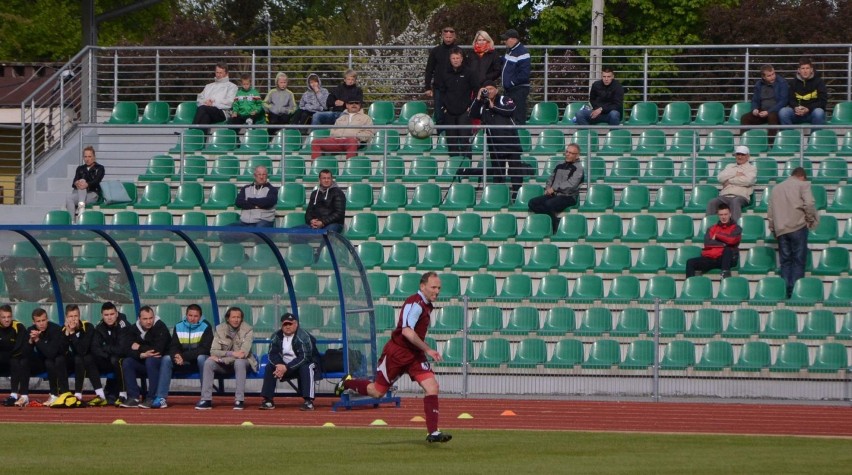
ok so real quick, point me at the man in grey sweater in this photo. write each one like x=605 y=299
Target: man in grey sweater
x=562 y=188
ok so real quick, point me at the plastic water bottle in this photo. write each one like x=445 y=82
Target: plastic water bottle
x=249 y=121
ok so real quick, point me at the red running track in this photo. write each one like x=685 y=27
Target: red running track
x=664 y=417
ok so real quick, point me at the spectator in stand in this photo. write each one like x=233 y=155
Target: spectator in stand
x=257 y=201
x=292 y=354
x=216 y=99
x=459 y=85
x=721 y=246
x=108 y=351
x=771 y=94
x=562 y=188
x=337 y=100
x=144 y=345
x=737 y=181
x=808 y=97
x=436 y=67
x=80 y=335
x=791 y=212
x=326 y=209
x=503 y=143
x=607 y=100
x=49 y=347
x=483 y=60
x=15 y=357
x=346 y=136
x=188 y=350
x=516 y=74
x=86 y=185
x=312 y=101
x=280 y=102
x=247 y=107
x=230 y=353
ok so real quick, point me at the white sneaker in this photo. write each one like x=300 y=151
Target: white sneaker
x=51 y=400
x=22 y=401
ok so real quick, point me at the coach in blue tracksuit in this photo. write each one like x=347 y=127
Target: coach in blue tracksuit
x=516 y=74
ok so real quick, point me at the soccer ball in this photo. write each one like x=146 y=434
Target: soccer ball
x=420 y=125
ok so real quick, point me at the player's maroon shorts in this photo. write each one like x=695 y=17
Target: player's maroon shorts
x=396 y=360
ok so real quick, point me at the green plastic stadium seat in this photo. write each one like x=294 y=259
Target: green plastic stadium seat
x=422 y=169
x=624 y=288
x=460 y=196
x=641 y=228
x=356 y=169
x=767 y=170
x=678 y=228
x=466 y=226
x=845 y=331
x=640 y=355
x=839 y=293
x=846 y=236
x=473 y=256
x=285 y=140
x=549 y=142
x=632 y=321
x=253 y=141
x=325 y=162
x=402 y=256
x=595 y=322
x=754 y=228
x=185 y=113
x=194 y=168
x=587 y=288
x=571 y=112
x=160 y=255
x=454 y=351
x=757 y=141
x=188 y=259
x=261 y=257
x=448 y=320
x=159 y=218
x=819 y=324
x=415 y=146
x=163 y=284
x=427 y=196
x=359 y=196
x=481 y=286
x=617 y=142
x=495 y=197
x=568 y=353
x=486 y=320
x=543 y=258
x=432 y=227
x=643 y=113
x=676 y=113
x=536 y=227
x=124 y=113
x=531 y=352
x=406 y=284
x=769 y=291
x=624 y=170
x=832 y=261
x=397 y=226
x=732 y=290
x=700 y=196
x=222 y=196
x=754 y=356
x=606 y=228
x=93 y=217
x=787 y=142
x=222 y=141
x=229 y=256
x=292 y=196
x=225 y=167
x=384 y=142
x=233 y=285
x=759 y=260
x=544 y=113
x=681 y=255
x=381 y=112
x=614 y=259
x=156 y=195
x=572 y=227
x=227 y=218
x=744 y=323
x=501 y=227
x=841 y=114
x=780 y=324
x=522 y=321
x=596 y=171
x=696 y=289
x=58 y=217
x=709 y=113
x=392 y=196
x=587 y=139
x=678 y=355
x=659 y=287
x=672 y=322
x=188 y=196
x=254 y=162
x=692 y=169
x=706 y=323
x=737 y=111
x=842 y=202
x=684 y=142
x=292 y=168
x=438 y=256
x=160 y=167
x=807 y=291
x=669 y=199
x=825 y=231
x=650 y=259
x=552 y=287
x=832 y=171
x=822 y=142
x=450 y=286
x=558 y=321
x=579 y=258
x=408 y=110
x=657 y=170
x=603 y=354
x=830 y=358
x=792 y=356
x=716 y=356
x=268 y=285
x=516 y=287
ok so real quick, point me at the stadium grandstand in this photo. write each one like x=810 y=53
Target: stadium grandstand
x=599 y=308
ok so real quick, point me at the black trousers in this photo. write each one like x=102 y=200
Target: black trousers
x=458 y=140
x=86 y=367
x=729 y=258
x=57 y=372
x=208 y=115
x=18 y=369
x=306 y=375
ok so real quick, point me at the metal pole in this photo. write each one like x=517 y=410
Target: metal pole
x=645 y=77
x=546 y=76
x=465 y=356
x=23 y=152
x=115 y=77
x=268 y=48
x=62 y=108
x=157 y=77
x=655 y=386
x=745 y=73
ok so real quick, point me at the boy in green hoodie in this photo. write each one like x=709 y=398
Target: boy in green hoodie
x=248 y=107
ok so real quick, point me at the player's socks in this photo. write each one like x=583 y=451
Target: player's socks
x=430 y=407
x=359 y=385
x=100 y=393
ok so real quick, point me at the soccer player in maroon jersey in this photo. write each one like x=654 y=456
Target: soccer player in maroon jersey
x=406 y=352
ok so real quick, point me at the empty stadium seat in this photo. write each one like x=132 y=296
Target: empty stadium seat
x=460 y=196
x=640 y=355
x=501 y=227
x=737 y=111
x=438 y=256
x=744 y=323
x=669 y=198
x=677 y=228
x=427 y=196
x=792 y=356
x=643 y=113
x=188 y=196
x=392 y=196
x=473 y=256
x=678 y=355
x=432 y=226
x=631 y=322
x=617 y=142
x=595 y=321
x=466 y=226
x=709 y=113
x=486 y=320
x=603 y=354
x=124 y=113
x=830 y=358
x=567 y=353
x=696 y=289
x=676 y=113
x=641 y=228
x=544 y=113
x=657 y=170
x=481 y=286
x=543 y=257
x=579 y=258
x=754 y=356
x=716 y=356
x=706 y=323
x=495 y=197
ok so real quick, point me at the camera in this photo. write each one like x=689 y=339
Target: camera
x=483 y=94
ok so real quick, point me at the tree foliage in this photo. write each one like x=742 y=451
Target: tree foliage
x=469 y=17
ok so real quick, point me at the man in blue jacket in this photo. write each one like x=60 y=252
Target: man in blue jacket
x=771 y=94
x=292 y=354
x=516 y=74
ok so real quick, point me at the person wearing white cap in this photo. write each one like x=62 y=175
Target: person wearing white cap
x=737 y=181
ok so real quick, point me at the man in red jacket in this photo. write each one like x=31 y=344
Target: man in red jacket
x=721 y=246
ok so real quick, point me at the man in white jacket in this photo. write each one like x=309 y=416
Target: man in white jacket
x=216 y=98
x=737 y=181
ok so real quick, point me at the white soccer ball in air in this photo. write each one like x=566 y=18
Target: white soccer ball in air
x=420 y=125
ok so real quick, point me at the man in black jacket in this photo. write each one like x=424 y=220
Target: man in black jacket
x=348 y=91
x=86 y=187
x=292 y=354
x=326 y=205
x=108 y=352
x=503 y=143
x=144 y=343
x=14 y=357
x=436 y=68
x=808 y=97
x=607 y=101
x=80 y=335
x=49 y=348
x=459 y=85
